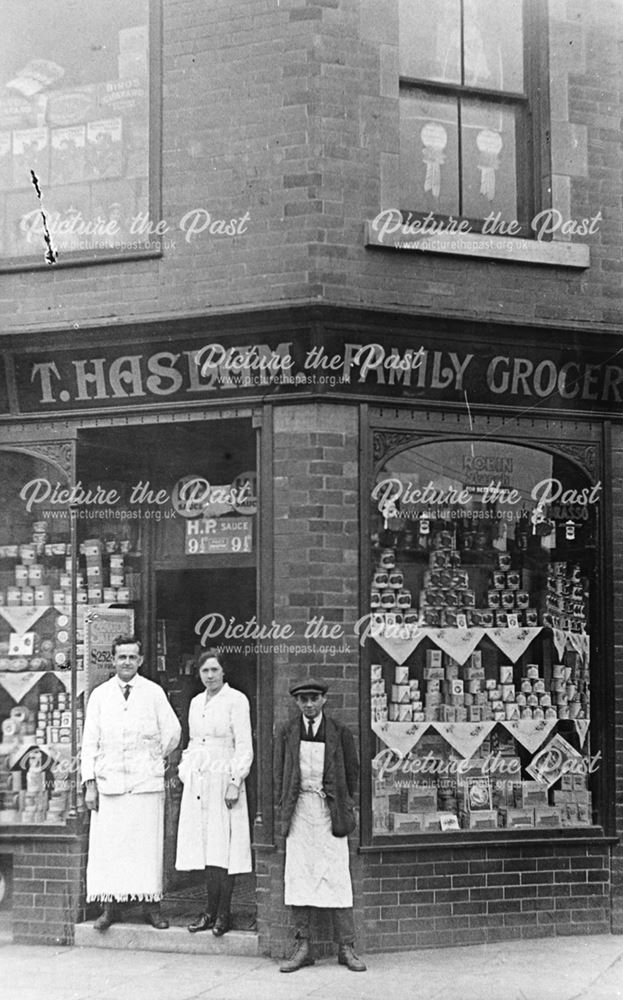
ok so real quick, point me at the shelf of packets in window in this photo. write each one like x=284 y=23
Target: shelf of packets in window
x=510 y=805
x=446 y=696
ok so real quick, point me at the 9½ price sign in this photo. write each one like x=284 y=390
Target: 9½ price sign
x=218 y=535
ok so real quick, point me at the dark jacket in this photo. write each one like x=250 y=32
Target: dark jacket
x=339 y=781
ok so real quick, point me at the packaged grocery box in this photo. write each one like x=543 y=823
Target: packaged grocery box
x=516 y=819
x=547 y=816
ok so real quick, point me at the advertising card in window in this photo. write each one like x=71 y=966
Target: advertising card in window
x=67 y=154
x=17 y=112
x=71 y=107
x=103 y=157
x=135 y=39
x=31 y=152
x=127 y=97
x=477 y=794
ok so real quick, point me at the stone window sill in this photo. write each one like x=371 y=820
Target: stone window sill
x=518 y=250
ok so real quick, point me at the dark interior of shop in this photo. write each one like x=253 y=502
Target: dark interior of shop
x=184 y=600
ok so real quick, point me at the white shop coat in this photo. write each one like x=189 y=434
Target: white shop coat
x=220 y=750
x=125 y=742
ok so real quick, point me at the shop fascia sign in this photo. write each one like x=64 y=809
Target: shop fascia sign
x=430 y=368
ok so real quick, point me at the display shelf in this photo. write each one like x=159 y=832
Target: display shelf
x=400 y=641
x=467 y=737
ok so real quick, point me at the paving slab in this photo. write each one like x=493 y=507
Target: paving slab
x=573 y=968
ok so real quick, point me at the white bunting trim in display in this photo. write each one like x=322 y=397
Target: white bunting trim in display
x=21 y=619
x=17 y=685
x=400 y=737
x=581 y=728
x=513 y=642
x=580 y=641
x=65 y=679
x=399 y=649
x=464 y=737
x=531 y=733
x=459 y=643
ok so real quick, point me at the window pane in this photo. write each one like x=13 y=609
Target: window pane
x=493 y=44
x=430 y=40
x=35 y=689
x=480 y=612
x=74 y=108
x=428 y=153
x=488 y=160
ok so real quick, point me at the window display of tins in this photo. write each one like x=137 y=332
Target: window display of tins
x=480 y=685
x=108 y=577
x=451 y=595
x=35 y=753
x=38 y=572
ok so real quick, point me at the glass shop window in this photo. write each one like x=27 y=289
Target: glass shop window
x=465 y=145
x=36 y=712
x=74 y=112
x=483 y=568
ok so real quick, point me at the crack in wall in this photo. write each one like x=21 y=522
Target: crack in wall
x=51 y=254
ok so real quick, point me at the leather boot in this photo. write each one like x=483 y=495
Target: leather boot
x=205 y=921
x=153 y=916
x=346 y=956
x=300 y=957
x=106 y=918
x=223 y=916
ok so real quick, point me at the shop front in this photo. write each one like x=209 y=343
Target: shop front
x=101 y=539
x=420 y=511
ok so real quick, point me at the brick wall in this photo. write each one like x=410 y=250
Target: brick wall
x=289 y=112
x=48 y=889
x=316 y=554
x=458 y=896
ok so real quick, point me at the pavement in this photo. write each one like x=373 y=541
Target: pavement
x=564 y=968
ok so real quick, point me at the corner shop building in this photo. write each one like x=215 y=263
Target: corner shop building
x=468 y=633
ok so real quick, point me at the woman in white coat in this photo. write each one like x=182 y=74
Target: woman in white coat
x=213 y=830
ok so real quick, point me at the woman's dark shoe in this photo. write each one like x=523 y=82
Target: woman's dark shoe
x=205 y=922
x=221 y=926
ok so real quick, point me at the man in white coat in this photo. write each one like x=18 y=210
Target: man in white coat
x=129 y=729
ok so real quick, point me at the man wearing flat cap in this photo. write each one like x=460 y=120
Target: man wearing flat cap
x=316 y=770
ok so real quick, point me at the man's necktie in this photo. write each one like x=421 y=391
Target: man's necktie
x=310 y=730
x=126 y=691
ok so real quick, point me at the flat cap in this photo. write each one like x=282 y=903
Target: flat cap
x=310 y=686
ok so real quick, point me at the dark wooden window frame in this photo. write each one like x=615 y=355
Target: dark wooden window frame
x=78 y=258
x=409 y=428
x=532 y=146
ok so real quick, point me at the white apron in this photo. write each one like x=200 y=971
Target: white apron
x=317 y=870
x=126 y=848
